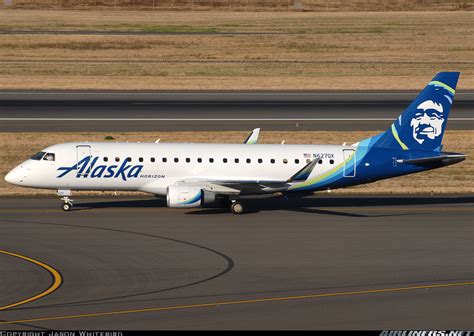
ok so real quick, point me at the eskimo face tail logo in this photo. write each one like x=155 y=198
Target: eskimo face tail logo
x=428 y=121
x=86 y=168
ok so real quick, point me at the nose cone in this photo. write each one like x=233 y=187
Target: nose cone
x=9 y=177
x=13 y=176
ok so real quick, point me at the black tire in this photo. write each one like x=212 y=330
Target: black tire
x=237 y=208
x=66 y=206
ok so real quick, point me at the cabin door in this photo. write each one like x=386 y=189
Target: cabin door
x=349 y=163
x=82 y=152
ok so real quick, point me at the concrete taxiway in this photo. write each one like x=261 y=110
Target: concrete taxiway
x=170 y=111
x=323 y=262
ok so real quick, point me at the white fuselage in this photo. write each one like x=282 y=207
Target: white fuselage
x=153 y=167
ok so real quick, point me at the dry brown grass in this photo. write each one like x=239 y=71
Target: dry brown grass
x=316 y=51
x=16 y=147
x=252 y=5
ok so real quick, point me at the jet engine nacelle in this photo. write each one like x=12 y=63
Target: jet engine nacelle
x=182 y=196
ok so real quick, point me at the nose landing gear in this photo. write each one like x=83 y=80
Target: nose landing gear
x=67 y=205
x=67 y=202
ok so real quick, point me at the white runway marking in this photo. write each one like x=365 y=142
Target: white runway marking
x=220 y=93
x=211 y=119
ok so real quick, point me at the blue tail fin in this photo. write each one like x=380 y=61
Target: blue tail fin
x=421 y=126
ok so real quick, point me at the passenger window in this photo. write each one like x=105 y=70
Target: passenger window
x=49 y=157
x=248 y=160
x=320 y=161
x=297 y=161
x=140 y=159
x=164 y=160
x=106 y=159
x=285 y=161
x=117 y=159
x=176 y=160
x=38 y=156
x=188 y=160
x=211 y=160
x=331 y=161
x=272 y=161
x=129 y=159
x=260 y=160
x=308 y=160
x=152 y=159
x=236 y=160
x=224 y=160
x=199 y=160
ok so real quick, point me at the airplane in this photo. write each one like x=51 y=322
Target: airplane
x=200 y=174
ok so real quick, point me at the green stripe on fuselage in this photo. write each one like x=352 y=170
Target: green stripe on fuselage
x=319 y=178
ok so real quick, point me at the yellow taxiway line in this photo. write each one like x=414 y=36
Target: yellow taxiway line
x=228 y=303
x=57 y=280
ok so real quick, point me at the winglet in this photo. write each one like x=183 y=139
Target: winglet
x=304 y=172
x=253 y=137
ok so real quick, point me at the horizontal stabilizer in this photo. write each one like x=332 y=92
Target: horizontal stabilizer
x=443 y=160
x=303 y=173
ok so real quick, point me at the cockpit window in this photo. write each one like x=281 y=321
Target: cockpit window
x=38 y=156
x=49 y=157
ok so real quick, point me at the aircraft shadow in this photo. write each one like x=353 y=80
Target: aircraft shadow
x=147 y=203
x=367 y=201
x=307 y=205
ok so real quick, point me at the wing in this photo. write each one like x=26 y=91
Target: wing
x=257 y=186
x=237 y=187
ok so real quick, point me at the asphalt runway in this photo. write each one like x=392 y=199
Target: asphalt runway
x=323 y=262
x=212 y=111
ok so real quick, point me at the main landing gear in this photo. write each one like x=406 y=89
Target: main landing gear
x=237 y=208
